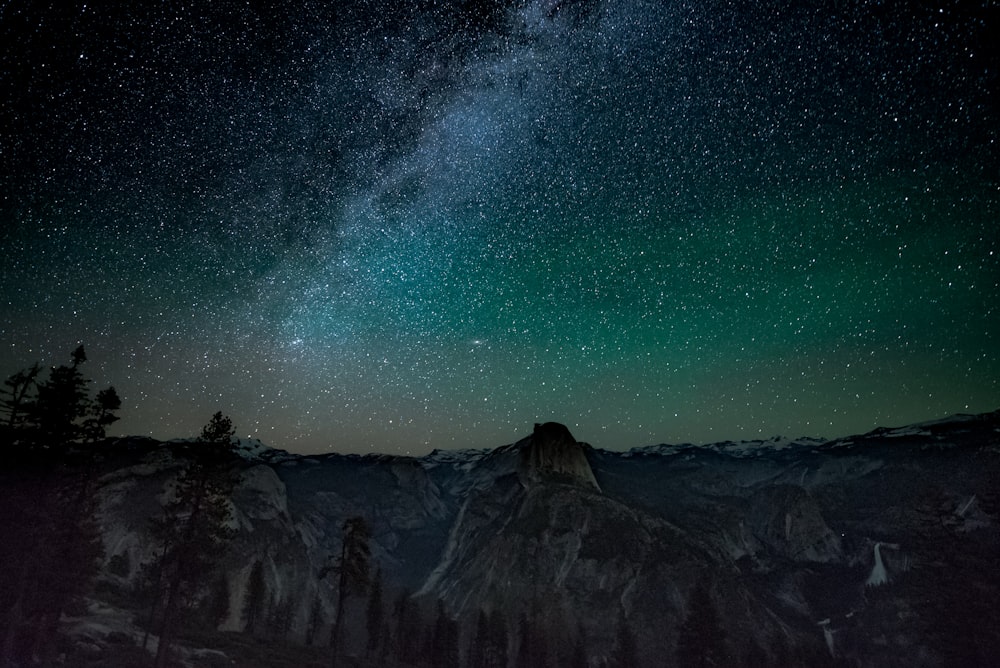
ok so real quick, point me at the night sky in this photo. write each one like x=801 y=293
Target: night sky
x=383 y=226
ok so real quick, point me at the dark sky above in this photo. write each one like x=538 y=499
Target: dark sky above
x=394 y=226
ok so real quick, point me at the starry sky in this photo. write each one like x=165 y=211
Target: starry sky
x=365 y=225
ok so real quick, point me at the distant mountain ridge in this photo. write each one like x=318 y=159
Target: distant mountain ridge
x=256 y=450
x=870 y=550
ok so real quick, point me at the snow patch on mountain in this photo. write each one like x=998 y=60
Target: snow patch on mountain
x=463 y=459
x=740 y=449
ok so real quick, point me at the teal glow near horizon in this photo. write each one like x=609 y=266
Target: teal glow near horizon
x=650 y=223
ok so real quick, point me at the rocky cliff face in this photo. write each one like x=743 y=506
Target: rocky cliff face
x=552 y=454
x=875 y=550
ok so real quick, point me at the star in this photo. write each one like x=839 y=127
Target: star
x=357 y=231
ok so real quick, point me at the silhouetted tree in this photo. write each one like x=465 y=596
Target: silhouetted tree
x=194 y=525
x=56 y=410
x=60 y=552
x=17 y=397
x=23 y=539
x=61 y=402
x=352 y=568
x=700 y=641
x=101 y=414
x=54 y=534
x=374 y=615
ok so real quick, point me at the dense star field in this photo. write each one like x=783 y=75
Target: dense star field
x=384 y=226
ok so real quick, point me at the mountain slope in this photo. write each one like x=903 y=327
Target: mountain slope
x=872 y=550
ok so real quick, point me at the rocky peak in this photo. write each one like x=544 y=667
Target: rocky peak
x=551 y=453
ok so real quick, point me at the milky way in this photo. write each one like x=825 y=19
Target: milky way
x=399 y=226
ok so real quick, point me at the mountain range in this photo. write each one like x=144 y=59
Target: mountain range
x=877 y=549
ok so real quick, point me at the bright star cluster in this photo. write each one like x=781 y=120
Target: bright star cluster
x=370 y=226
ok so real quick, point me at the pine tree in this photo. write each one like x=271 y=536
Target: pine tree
x=17 y=398
x=65 y=558
x=55 y=411
x=194 y=526
x=56 y=536
x=374 y=622
x=101 y=414
x=352 y=568
x=61 y=402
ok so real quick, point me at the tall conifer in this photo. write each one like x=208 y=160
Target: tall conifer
x=194 y=525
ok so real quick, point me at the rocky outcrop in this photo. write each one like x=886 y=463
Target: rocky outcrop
x=789 y=524
x=552 y=454
x=779 y=547
x=570 y=559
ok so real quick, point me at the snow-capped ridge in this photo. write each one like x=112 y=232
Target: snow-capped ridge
x=464 y=457
x=751 y=448
x=255 y=450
